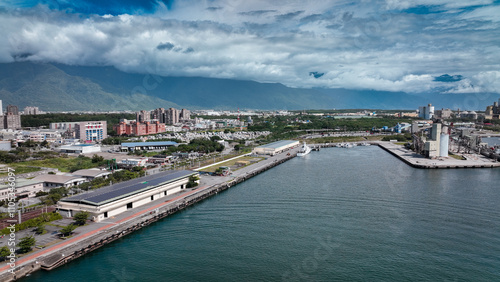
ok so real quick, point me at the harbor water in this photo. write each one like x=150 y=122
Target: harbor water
x=356 y=214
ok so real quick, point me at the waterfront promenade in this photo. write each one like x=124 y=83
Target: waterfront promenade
x=94 y=235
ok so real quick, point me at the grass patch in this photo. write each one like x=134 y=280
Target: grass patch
x=67 y=164
x=21 y=169
x=233 y=162
x=400 y=143
x=456 y=156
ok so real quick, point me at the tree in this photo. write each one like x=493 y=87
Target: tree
x=97 y=159
x=26 y=244
x=40 y=228
x=193 y=181
x=81 y=217
x=4 y=252
x=67 y=230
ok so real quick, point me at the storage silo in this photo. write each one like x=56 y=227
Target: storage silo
x=444 y=142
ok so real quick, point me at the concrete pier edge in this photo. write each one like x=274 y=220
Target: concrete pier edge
x=105 y=236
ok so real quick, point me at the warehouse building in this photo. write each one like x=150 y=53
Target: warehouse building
x=115 y=199
x=275 y=147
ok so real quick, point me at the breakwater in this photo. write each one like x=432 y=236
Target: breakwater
x=109 y=233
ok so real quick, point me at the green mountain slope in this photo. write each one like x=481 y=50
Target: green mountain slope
x=58 y=87
x=52 y=89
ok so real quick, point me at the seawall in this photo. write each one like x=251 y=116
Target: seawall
x=112 y=232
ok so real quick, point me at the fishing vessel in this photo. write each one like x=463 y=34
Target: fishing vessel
x=304 y=150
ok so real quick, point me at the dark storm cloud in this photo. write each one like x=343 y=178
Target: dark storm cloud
x=165 y=46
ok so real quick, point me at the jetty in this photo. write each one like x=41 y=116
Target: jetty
x=99 y=234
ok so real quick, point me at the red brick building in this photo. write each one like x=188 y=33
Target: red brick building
x=139 y=128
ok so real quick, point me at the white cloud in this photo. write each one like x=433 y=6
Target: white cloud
x=356 y=46
x=482 y=82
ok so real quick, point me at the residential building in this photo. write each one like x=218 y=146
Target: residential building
x=139 y=128
x=86 y=131
x=32 y=111
x=173 y=116
x=11 y=119
x=143 y=116
x=185 y=114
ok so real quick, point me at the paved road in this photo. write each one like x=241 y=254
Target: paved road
x=84 y=232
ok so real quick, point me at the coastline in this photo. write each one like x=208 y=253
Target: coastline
x=66 y=251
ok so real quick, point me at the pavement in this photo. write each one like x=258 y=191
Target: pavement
x=416 y=160
x=129 y=217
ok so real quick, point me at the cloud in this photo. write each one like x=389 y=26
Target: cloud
x=288 y=16
x=165 y=46
x=488 y=82
x=257 y=12
x=360 y=46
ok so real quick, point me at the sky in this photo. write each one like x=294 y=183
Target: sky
x=417 y=46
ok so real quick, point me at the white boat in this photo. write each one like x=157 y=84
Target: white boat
x=348 y=145
x=304 y=150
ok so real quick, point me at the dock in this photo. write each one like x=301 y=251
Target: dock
x=72 y=248
x=418 y=161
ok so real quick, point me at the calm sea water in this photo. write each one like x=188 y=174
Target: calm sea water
x=336 y=215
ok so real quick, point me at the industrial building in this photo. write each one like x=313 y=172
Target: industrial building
x=275 y=147
x=54 y=181
x=92 y=173
x=436 y=144
x=426 y=112
x=493 y=111
x=80 y=149
x=148 y=146
x=24 y=188
x=112 y=200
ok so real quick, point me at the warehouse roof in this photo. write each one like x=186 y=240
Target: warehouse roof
x=124 y=189
x=145 y=144
x=278 y=144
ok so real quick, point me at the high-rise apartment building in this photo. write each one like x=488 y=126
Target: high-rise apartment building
x=185 y=114
x=11 y=119
x=173 y=116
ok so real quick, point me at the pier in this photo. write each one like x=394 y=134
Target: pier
x=72 y=248
x=418 y=161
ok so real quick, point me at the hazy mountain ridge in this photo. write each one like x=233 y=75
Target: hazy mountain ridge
x=57 y=87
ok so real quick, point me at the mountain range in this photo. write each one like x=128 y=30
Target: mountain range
x=59 y=87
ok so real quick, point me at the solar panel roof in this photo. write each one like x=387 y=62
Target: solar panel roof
x=145 y=144
x=124 y=189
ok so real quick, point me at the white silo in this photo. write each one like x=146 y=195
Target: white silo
x=444 y=142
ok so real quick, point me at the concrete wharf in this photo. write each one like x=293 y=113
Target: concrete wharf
x=99 y=235
x=415 y=160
